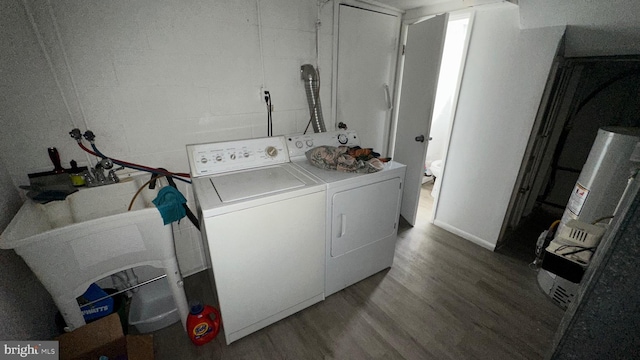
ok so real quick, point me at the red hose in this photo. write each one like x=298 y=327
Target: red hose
x=125 y=163
x=87 y=149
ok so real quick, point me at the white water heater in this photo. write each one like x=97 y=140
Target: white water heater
x=613 y=161
x=614 y=157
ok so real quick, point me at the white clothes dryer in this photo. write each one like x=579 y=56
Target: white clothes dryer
x=263 y=224
x=362 y=211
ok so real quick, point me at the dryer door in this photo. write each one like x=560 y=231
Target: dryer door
x=364 y=215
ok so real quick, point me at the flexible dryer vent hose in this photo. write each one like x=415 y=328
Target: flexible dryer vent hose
x=312 y=87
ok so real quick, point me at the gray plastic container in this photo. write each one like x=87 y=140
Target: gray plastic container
x=152 y=307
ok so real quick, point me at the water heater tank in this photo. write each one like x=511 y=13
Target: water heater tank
x=614 y=156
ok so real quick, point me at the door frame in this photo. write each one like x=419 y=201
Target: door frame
x=424 y=43
x=453 y=15
x=456 y=15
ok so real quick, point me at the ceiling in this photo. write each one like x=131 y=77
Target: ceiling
x=410 y=4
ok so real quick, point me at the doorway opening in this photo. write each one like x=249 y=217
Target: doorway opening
x=449 y=80
x=585 y=94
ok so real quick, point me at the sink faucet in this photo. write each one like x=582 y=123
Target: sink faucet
x=112 y=177
x=99 y=177
x=98 y=174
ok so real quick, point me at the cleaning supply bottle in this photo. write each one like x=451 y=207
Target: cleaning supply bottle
x=202 y=327
x=75 y=173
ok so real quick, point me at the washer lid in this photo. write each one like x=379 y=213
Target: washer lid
x=251 y=183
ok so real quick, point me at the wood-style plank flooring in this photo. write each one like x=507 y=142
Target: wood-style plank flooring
x=443 y=298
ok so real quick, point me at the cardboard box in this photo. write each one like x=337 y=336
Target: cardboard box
x=105 y=337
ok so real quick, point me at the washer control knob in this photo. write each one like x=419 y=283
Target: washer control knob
x=342 y=139
x=246 y=154
x=204 y=160
x=299 y=144
x=309 y=143
x=219 y=158
x=271 y=151
x=232 y=156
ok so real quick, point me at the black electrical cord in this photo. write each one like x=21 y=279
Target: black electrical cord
x=315 y=108
x=602 y=219
x=270 y=111
x=267 y=101
x=90 y=136
x=134 y=166
x=580 y=249
x=309 y=123
x=190 y=215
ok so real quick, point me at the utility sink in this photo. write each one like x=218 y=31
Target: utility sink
x=35 y=222
x=72 y=243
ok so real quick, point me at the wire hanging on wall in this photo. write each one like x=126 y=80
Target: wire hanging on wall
x=267 y=100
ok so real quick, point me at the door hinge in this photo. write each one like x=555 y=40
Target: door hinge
x=403 y=49
x=394 y=225
x=400 y=186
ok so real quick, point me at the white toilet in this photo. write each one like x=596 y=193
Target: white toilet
x=436 y=170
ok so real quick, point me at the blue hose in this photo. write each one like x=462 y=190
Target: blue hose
x=118 y=162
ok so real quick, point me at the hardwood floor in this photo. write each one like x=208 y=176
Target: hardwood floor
x=443 y=298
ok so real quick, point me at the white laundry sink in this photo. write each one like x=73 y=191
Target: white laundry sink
x=36 y=222
x=70 y=244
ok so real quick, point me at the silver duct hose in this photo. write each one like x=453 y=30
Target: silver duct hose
x=312 y=87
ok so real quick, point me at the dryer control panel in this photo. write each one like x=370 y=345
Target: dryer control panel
x=299 y=144
x=220 y=157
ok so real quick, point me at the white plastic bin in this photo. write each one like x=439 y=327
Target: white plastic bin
x=153 y=308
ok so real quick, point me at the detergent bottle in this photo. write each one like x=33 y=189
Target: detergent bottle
x=203 y=323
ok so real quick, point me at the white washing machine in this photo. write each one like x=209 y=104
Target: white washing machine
x=362 y=212
x=263 y=222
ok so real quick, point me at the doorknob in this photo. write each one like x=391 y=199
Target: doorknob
x=420 y=138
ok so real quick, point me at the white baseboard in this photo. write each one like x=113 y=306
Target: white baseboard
x=465 y=235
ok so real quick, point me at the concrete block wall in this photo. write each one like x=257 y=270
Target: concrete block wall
x=149 y=77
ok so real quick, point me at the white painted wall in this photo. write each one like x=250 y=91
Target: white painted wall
x=594 y=28
x=26 y=307
x=9 y=199
x=505 y=74
x=150 y=77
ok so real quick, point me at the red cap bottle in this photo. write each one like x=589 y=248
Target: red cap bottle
x=202 y=327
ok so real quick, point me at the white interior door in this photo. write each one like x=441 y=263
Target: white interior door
x=366 y=60
x=422 y=55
